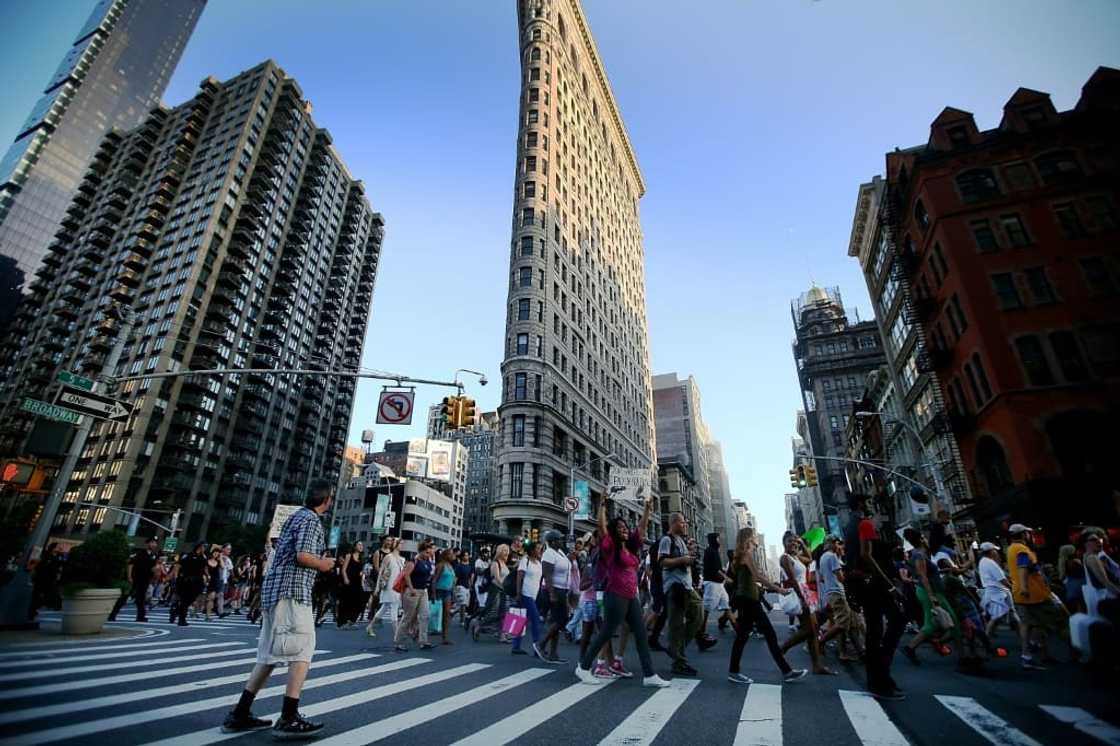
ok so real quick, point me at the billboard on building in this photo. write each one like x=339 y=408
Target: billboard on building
x=581 y=491
x=416 y=466
x=417 y=446
x=439 y=459
x=630 y=486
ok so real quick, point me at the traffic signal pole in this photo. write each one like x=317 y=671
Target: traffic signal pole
x=15 y=597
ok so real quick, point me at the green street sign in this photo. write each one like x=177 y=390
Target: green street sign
x=75 y=380
x=50 y=411
x=170 y=544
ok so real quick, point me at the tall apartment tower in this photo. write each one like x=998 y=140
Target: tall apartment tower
x=576 y=375
x=480 y=441
x=112 y=76
x=231 y=233
x=833 y=357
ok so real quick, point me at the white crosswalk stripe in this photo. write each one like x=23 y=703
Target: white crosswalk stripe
x=213 y=735
x=1084 y=722
x=39 y=661
x=985 y=722
x=520 y=723
x=65 y=708
x=393 y=725
x=475 y=704
x=760 y=722
x=238 y=648
x=40 y=654
x=643 y=725
x=872 y=725
x=83 y=683
x=89 y=727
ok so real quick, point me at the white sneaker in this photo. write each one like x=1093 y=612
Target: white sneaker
x=586 y=676
x=655 y=681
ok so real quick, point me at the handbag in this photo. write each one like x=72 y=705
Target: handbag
x=941 y=618
x=790 y=604
x=514 y=622
x=398 y=584
x=435 y=618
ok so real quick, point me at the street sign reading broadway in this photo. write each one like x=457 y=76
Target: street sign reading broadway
x=95 y=405
x=50 y=411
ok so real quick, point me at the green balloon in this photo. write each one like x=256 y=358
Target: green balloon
x=814 y=537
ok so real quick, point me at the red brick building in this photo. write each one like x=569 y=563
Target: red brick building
x=1009 y=243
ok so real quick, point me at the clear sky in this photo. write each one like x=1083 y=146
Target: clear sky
x=754 y=124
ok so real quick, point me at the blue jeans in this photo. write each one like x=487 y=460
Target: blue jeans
x=534 y=619
x=574 y=625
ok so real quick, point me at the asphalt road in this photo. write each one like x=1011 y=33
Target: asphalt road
x=173 y=685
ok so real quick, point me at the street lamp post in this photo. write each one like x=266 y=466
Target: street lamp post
x=933 y=466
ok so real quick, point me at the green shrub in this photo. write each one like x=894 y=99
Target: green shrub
x=99 y=562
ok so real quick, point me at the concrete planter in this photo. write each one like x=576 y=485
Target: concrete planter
x=87 y=611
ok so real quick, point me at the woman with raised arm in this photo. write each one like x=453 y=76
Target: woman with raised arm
x=619 y=549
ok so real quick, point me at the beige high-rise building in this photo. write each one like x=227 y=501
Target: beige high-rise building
x=576 y=393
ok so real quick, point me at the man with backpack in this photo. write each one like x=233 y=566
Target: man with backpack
x=684 y=604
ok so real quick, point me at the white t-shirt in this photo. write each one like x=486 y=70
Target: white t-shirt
x=531 y=583
x=561 y=568
x=991 y=574
x=227 y=568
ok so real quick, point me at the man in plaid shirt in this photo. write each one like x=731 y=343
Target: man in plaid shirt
x=288 y=620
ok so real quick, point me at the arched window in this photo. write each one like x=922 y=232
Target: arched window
x=977 y=184
x=535 y=55
x=1058 y=167
x=991 y=466
x=536 y=34
x=921 y=215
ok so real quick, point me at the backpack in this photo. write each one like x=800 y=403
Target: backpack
x=655 y=570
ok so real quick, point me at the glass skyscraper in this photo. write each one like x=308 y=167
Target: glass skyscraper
x=112 y=76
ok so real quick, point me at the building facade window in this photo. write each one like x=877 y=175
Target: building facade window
x=1069 y=220
x=977 y=184
x=518 y=430
x=1098 y=276
x=1015 y=231
x=1033 y=357
x=522 y=344
x=1006 y=292
x=525 y=277
x=1068 y=354
x=520 y=384
x=516 y=477
x=523 y=309
x=1042 y=292
x=1058 y=167
x=985 y=237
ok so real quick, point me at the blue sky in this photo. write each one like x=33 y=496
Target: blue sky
x=754 y=124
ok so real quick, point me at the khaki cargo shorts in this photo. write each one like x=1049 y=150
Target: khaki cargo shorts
x=287 y=633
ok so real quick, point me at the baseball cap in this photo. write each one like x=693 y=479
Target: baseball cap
x=987 y=546
x=1018 y=528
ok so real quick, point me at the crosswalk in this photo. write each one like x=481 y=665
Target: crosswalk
x=174 y=692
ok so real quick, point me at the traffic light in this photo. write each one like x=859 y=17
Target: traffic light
x=451 y=409
x=795 y=477
x=533 y=535
x=466 y=412
x=810 y=475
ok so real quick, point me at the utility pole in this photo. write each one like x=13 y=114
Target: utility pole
x=15 y=597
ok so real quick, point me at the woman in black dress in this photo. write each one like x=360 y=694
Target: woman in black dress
x=351 y=597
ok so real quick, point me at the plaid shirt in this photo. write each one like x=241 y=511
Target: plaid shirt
x=303 y=532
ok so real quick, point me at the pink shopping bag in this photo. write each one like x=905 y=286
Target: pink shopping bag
x=514 y=622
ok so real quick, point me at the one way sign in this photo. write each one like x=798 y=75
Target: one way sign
x=95 y=405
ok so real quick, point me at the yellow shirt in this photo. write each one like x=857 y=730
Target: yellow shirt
x=1019 y=557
